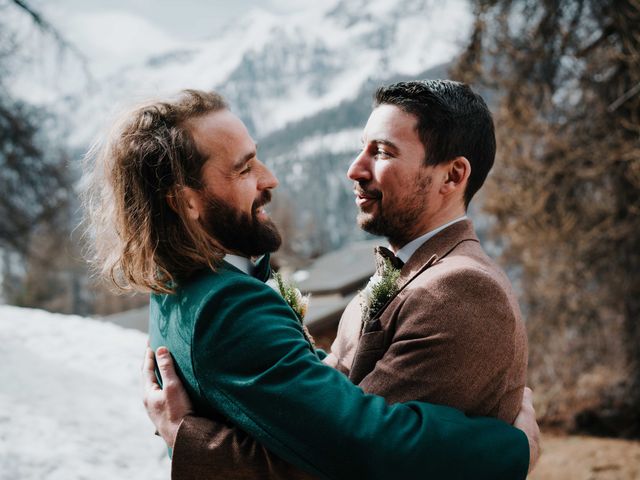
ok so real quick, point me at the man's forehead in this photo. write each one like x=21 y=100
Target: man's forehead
x=388 y=122
x=221 y=134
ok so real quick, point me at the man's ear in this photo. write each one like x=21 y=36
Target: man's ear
x=457 y=174
x=188 y=198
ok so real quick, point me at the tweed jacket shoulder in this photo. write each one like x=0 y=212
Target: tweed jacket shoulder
x=453 y=335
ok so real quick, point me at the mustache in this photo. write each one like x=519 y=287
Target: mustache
x=263 y=199
x=361 y=190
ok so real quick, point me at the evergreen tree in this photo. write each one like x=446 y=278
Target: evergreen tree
x=35 y=180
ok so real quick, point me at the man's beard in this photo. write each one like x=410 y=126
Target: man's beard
x=239 y=232
x=397 y=219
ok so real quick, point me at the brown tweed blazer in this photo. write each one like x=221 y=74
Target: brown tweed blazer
x=452 y=335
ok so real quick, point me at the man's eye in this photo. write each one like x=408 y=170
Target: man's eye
x=246 y=170
x=382 y=153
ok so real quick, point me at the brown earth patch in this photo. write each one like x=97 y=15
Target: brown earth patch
x=589 y=458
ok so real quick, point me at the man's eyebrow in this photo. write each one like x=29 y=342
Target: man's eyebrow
x=388 y=143
x=239 y=165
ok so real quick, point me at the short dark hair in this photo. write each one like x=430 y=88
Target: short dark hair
x=453 y=121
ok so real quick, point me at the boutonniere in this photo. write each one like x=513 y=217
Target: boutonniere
x=295 y=299
x=381 y=287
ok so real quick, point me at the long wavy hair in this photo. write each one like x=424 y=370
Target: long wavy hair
x=140 y=237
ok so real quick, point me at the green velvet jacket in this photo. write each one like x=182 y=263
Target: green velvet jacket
x=240 y=351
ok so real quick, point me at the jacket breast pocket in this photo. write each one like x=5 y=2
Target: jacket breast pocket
x=371 y=348
x=370 y=341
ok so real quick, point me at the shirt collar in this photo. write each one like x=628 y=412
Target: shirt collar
x=410 y=248
x=244 y=264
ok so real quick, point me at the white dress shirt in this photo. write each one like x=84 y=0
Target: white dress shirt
x=410 y=248
x=244 y=264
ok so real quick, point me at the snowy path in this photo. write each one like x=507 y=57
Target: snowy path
x=70 y=405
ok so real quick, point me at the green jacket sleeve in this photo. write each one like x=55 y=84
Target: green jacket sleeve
x=254 y=365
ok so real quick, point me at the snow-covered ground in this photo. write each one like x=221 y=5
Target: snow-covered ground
x=70 y=400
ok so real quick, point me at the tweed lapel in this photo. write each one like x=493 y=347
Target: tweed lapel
x=430 y=253
x=374 y=336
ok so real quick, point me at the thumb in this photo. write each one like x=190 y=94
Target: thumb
x=527 y=397
x=165 y=365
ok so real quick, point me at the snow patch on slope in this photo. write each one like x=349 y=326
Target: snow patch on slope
x=70 y=401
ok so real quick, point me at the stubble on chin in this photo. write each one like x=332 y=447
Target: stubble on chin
x=395 y=228
x=374 y=224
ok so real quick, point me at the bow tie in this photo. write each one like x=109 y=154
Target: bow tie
x=382 y=254
x=262 y=270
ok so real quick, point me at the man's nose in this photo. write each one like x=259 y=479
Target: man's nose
x=360 y=168
x=267 y=179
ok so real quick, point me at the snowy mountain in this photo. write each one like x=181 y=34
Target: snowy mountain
x=302 y=82
x=276 y=69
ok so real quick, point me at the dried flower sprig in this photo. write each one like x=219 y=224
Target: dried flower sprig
x=292 y=295
x=381 y=287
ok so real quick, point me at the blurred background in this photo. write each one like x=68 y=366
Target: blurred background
x=560 y=210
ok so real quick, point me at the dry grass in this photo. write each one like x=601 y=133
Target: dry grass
x=579 y=457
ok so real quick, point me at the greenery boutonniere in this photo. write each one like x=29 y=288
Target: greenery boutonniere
x=294 y=298
x=381 y=287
